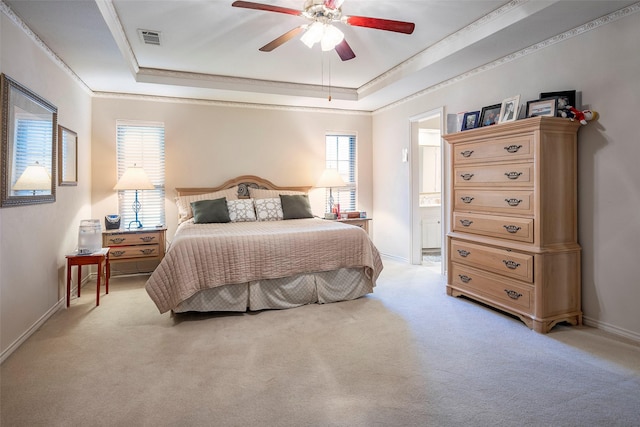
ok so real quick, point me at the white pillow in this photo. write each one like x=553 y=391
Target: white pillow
x=241 y=210
x=269 y=209
x=261 y=193
x=184 y=202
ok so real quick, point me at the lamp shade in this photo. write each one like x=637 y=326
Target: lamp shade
x=134 y=178
x=330 y=178
x=34 y=178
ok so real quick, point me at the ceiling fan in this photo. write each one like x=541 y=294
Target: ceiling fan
x=322 y=14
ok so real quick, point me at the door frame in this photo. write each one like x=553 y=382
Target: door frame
x=415 y=249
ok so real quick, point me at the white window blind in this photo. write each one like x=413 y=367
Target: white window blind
x=142 y=144
x=33 y=143
x=341 y=155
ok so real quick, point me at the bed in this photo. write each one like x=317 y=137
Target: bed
x=257 y=259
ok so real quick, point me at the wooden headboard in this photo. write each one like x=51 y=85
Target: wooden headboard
x=243 y=182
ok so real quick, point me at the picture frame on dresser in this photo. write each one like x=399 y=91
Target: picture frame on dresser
x=546 y=107
x=509 y=109
x=490 y=115
x=470 y=120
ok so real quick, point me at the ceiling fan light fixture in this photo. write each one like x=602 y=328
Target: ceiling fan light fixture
x=331 y=37
x=313 y=34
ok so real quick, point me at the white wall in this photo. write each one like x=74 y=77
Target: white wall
x=207 y=144
x=34 y=239
x=603 y=64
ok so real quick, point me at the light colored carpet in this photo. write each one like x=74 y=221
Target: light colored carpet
x=408 y=355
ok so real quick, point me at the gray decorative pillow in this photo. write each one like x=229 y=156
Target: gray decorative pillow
x=208 y=211
x=241 y=210
x=295 y=207
x=268 y=209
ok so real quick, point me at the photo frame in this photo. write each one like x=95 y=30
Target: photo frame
x=542 y=107
x=565 y=98
x=509 y=109
x=470 y=120
x=490 y=115
x=67 y=156
x=28 y=139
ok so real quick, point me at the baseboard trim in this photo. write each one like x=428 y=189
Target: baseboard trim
x=18 y=342
x=614 y=330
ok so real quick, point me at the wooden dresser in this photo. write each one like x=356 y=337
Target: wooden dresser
x=140 y=244
x=513 y=243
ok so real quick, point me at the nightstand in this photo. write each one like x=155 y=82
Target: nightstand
x=139 y=244
x=358 y=222
x=98 y=258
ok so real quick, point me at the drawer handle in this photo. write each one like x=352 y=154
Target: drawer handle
x=513 y=202
x=465 y=279
x=116 y=253
x=511 y=264
x=467 y=153
x=466 y=176
x=117 y=240
x=464 y=253
x=513 y=175
x=513 y=148
x=512 y=228
x=513 y=294
x=466 y=222
x=147 y=239
x=146 y=251
x=466 y=199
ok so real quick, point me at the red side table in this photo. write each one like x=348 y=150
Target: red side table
x=101 y=258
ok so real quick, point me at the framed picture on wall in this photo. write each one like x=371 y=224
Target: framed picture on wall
x=490 y=115
x=470 y=120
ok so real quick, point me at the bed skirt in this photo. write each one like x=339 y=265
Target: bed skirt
x=323 y=287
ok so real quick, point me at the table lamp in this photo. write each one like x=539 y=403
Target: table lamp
x=330 y=178
x=135 y=178
x=34 y=178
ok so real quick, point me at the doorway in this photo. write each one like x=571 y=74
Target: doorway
x=427 y=191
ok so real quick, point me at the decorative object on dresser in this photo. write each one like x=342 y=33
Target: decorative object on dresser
x=470 y=120
x=542 y=107
x=141 y=244
x=509 y=109
x=134 y=178
x=490 y=115
x=513 y=242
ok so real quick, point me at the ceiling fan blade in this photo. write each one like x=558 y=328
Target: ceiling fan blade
x=267 y=7
x=281 y=40
x=381 y=24
x=344 y=51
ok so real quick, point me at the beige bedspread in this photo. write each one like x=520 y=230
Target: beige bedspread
x=208 y=255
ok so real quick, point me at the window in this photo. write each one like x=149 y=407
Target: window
x=341 y=155
x=142 y=144
x=33 y=144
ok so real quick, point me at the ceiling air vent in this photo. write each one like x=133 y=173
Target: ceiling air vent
x=150 y=37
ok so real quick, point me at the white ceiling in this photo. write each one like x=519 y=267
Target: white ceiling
x=209 y=49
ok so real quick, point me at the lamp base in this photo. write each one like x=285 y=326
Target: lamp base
x=135 y=222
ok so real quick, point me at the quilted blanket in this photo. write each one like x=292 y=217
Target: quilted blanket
x=203 y=256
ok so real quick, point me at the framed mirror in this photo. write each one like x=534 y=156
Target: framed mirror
x=29 y=125
x=67 y=156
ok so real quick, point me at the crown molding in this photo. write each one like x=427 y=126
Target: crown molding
x=226 y=104
x=4 y=8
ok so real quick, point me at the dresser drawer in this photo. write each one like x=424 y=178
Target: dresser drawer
x=518 y=229
x=141 y=251
x=502 y=261
x=131 y=239
x=514 y=295
x=510 y=174
x=500 y=201
x=499 y=149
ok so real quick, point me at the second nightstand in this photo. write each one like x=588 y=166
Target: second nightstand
x=139 y=244
x=358 y=222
